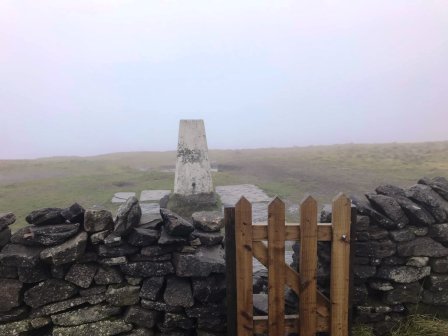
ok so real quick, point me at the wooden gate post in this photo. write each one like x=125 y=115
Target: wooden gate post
x=229 y=221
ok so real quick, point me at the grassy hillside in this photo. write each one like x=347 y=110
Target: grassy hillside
x=288 y=172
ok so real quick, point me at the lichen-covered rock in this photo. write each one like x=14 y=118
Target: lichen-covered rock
x=422 y=247
x=46 y=235
x=122 y=295
x=364 y=208
x=141 y=317
x=402 y=235
x=151 y=287
x=85 y=315
x=390 y=190
x=96 y=220
x=174 y=321
x=9 y=294
x=416 y=213
x=116 y=251
x=403 y=274
x=209 y=221
x=143 y=237
x=46 y=216
x=67 y=252
x=389 y=207
x=49 y=291
x=128 y=216
x=100 y=328
x=439 y=232
x=204 y=261
x=431 y=200
x=6 y=219
x=438 y=184
x=178 y=292
x=140 y=332
x=147 y=268
x=160 y=306
x=64 y=305
x=20 y=256
x=176 y=225
x=107 y=275
x=210 y=289
x=208 y=238
x=378 y=249
x=156 y=250
x=417 y=261
x=81 y=274
x=20 y=327
x=382 y=286
x=439 y=265
x=98 y=237
x=14 y=314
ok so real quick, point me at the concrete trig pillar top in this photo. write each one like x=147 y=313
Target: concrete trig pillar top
x=193 y=166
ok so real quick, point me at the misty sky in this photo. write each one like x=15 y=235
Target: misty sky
x=86 y=77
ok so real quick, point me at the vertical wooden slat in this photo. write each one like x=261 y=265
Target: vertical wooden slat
x=308 y=267
x=243 y=240
x=229 y=221
x=354 y=213
x=340 y=261
x=276 y=267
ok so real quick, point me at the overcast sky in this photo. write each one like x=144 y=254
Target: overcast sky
x=86 y=77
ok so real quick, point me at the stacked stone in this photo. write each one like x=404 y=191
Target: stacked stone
x=401 y=252
x=84 y=272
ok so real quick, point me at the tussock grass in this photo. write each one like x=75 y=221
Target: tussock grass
x=422 y=325
x=362 y=330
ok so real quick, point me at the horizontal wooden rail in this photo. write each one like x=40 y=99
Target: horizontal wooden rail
x=292 y=323
x=260 y=231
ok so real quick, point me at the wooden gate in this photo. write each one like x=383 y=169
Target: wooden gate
x=245 y=240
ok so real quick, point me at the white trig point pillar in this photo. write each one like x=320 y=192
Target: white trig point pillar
x=193 y=166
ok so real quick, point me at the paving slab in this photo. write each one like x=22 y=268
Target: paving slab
x=153 y=195
x=121 y=197
x=231 y=194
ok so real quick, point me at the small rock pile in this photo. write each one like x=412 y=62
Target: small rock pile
x=82 y=272
x=401 y=252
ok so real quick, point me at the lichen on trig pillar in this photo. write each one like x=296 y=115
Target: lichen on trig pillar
x=193 y=166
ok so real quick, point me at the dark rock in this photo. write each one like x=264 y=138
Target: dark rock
x=210 y=289
x=46 y=216
x=122 y=295
x=13 y=314
x=96 y=220
x=439 y=265
x=6 y=219
x=419 y=231
x=382 y=286
x=209 y=310
x=8 y=272
x=60 y=306
x=437 y=283
x=112 y=240
x=362 y=223
x=404 y=293
x=5 y=236
x=376 y=233
x=417 y=214
x=9 y=294
x=160 y=306
x=147 y=268
x=364 y=208
x=140 y=332
x=208 y=238
x=67 y=252
x=215 y=324
x=20 y=256
x=22 y=327
x=49 y=291
x=85 y=315
x=95 y=290
x=393 y=261
x=403 y=274
x=360 y=294
x=422 y=247
x=128 y=216
x=402 y=235
x=389 y=207
x=167 y=239
x=74 y=213
x=141 y=317
x=81 y=274
x=143 y=237
x=173 y=321
x=379 y=249
x=46 y=235
x=204 y=261
x=364 y=271
x=100 y=328
x=435 y=299
x=117 y=251
x=208 y=221
x=178 y=292
x=151 y=288
x=431 y=200
x=58 y=271
x=33 y=274
x=150 y=219
x=326 y=213
x=155 y=251
x=438 y=184
x=176 y=225
x=390 y=190
x=439 y=232
x=107 y=275
x=98 y=237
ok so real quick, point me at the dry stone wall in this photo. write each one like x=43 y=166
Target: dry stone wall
x=84 y=272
